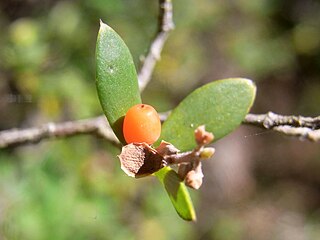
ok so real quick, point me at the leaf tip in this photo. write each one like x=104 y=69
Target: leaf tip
x=253 y=86
x=103 y=26
x=250 y=83
x=192 y=215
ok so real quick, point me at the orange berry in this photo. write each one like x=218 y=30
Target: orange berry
x=141 y=124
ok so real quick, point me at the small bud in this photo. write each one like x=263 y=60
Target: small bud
x=202 y=136
x=194 y=177
x=207 y=153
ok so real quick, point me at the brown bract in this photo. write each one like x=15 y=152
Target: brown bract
x=194 y=177
x=139 y=160
x=202 y=136
x=166 y=149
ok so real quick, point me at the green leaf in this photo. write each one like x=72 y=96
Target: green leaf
x=178 y=193
x=220 y=106
x=116 y=78
x=118 y=90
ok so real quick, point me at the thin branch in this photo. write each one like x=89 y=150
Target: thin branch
x=297 y=126
x=165 y=25
x=301 y=132
x=97 y=126
x=271 y=120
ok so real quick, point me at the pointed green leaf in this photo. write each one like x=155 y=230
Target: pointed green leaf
x=118 y=90
x=178 y=193
x=220 y=105
x=116 y=78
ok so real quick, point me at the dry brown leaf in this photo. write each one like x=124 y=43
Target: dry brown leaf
x=139 y=160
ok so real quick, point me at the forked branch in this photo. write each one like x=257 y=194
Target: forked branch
x=298 y=126
x=165 y=25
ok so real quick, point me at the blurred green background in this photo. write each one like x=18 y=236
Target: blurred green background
x=260 y=185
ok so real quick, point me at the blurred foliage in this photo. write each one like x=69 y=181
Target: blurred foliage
x=74 y=188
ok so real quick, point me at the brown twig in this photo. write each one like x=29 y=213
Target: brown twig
x=271 y=120
x=165 y=25
x=297 y=126
x=98 y=126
